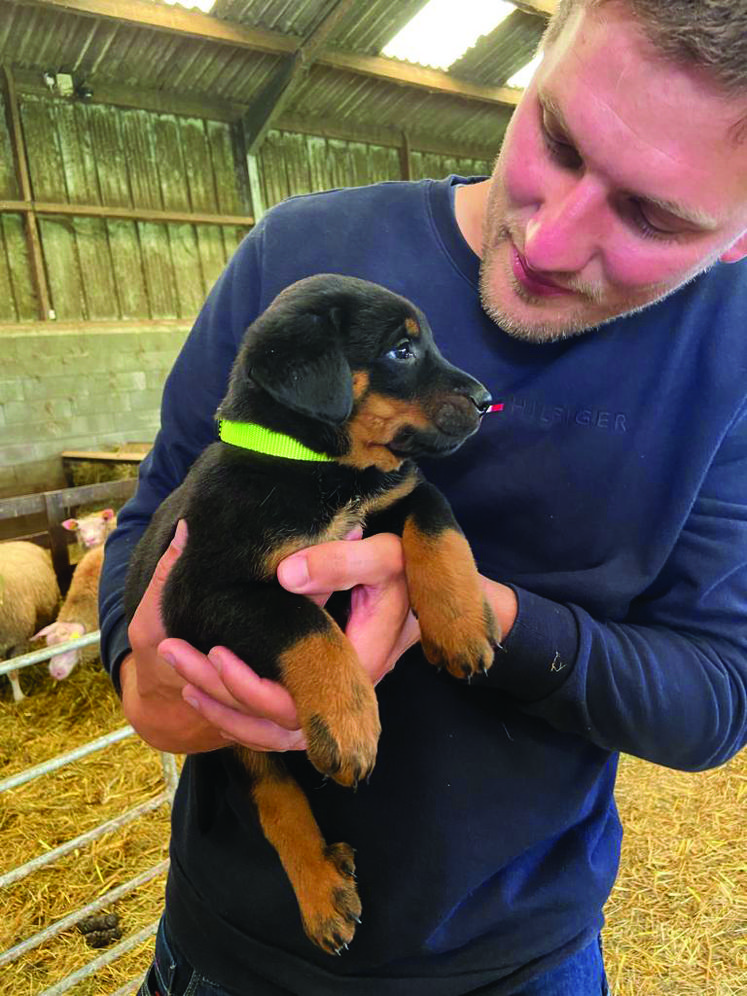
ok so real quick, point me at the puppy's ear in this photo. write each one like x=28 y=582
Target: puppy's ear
x=302 y=365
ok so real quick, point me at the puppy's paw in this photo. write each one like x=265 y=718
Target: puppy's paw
x=463 y=647
x=343 y=735
x=330 y=907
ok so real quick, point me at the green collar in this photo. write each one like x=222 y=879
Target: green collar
x=250 y=436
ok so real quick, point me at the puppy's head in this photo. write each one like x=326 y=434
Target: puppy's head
x=351 y=368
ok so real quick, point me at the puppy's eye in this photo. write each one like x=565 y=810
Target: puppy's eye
x=402 y=351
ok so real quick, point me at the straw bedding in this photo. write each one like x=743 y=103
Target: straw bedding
x=677 y=919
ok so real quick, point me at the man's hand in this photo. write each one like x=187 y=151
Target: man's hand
x=260 y=714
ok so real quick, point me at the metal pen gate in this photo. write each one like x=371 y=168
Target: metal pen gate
x=171 y=777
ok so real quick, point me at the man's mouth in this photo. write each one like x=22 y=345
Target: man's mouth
x=532 y=281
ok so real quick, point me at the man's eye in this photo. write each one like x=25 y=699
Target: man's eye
x=402 y=351
x=560 y=149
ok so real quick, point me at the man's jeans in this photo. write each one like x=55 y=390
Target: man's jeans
x=171 y=975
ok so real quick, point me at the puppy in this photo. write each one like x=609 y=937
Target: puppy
x=337 y=388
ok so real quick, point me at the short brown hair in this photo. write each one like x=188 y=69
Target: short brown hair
x=707 y=34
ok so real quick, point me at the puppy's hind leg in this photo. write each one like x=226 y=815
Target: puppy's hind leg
x=322 y=875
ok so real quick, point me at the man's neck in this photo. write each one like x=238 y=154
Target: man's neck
x=470 y=204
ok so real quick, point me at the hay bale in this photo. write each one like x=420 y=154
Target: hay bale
x=677 y=918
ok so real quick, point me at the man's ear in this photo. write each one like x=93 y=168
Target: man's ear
x=737 y=251
x=302 y=366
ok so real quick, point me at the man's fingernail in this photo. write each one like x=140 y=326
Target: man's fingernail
x=180 y=536
x=294 y=572
x=193 y=702
x=169 y=658
x=214 y=659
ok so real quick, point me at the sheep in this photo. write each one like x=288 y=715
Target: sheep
x=92 y=529
x=29 y=596
x=78 y=615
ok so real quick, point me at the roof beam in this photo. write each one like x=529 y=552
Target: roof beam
x=191 y=23
x=288 y=78
x=543 y=7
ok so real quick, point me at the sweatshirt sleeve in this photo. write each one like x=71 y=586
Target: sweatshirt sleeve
x=669 y=682
x=192 y=393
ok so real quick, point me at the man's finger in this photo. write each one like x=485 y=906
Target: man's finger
x=196 y=669
x=260 y=696
x=258 y=734
x=147 y=623
x=341 y=565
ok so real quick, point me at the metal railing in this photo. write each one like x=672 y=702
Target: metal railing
x=171 y=777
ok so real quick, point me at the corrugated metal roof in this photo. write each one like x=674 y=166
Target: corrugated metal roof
x=108 y=51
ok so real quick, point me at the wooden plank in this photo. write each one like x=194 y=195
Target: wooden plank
x=106 y=492
x=158 y=269
x=63 y=269
x=188 y=276
x=33 y=240
x=19 y=266
x=176 y=20
x=170 y=164
x=129 y=214
x=46 y=174
x=128 y=269
x=99 y=456
x=212 y=253
x=8 y=180
x=543 y=7
x=8 y=307
x=199 y=167
x=137 y=132
x=58 y=541
x=404 y=158
x=98 y=284
x=80 y=173
x=110 y=155
x=228 y=174
x=419 y=76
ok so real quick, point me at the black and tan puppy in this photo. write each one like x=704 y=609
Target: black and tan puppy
x=337 y=388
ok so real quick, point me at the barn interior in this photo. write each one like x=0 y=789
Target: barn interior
x=140 y=140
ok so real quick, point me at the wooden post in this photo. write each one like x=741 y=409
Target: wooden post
x=33 y=239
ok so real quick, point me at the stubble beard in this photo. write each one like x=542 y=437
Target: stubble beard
x=497 y=236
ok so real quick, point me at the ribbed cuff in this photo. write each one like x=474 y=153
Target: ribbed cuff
x=540 y=651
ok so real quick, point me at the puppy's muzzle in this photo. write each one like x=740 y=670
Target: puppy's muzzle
x=458 y=414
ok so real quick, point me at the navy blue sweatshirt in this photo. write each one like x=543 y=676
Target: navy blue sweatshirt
x=611 y=492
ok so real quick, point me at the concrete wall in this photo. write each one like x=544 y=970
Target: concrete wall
x=69 y=388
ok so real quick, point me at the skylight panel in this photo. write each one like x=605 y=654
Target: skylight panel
x=523 y=76
x=204 y=5
x=443 y=31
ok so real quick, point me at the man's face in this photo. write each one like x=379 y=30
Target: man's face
x=620 y=178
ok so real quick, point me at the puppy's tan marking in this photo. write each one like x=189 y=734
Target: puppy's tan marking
x=361 y=380
x=412 y=327
x=352 y=514
x=322 y=875
x=458 y=629
x=336 y=704
x=375 y=424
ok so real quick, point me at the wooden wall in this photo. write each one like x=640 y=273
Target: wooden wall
x=114 y=224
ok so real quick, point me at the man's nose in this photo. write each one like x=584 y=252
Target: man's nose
x=567 y=230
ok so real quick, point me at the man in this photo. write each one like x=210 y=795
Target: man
x=606 y=505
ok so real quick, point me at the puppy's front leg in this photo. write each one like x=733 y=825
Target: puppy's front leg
x=457 y=625
x=335 y=700
x=322 y=875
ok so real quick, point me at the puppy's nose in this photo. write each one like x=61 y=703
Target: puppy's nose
x=482 y=400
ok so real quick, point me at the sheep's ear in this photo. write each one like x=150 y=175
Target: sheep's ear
x=70 y=524
x=302 y=365
x=108 y=513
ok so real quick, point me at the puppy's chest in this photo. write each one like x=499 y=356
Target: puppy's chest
x=352 y=513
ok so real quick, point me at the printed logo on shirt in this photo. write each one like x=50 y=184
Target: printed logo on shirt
x=539 y=413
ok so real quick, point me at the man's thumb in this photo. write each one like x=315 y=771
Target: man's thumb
x=167 y=561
